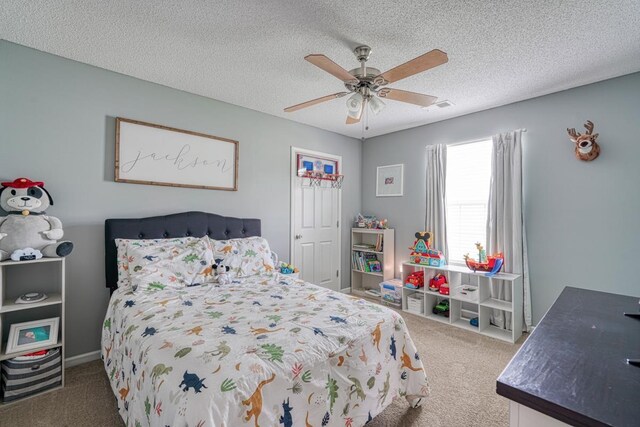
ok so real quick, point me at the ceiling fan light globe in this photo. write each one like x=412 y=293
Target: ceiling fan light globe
x=376 y=105
x=354 y=105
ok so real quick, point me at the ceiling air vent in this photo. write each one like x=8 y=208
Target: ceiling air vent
x=438 y=105
x=444 y=104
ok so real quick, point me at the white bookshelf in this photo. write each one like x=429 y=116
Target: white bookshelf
x=46 y=275
x=464 y=307
x=364 y=280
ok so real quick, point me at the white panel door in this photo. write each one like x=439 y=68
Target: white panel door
x=315 y=233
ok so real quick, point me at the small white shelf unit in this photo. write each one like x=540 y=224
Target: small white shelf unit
x=462 y=308
x=364 y=280
x=47 y=275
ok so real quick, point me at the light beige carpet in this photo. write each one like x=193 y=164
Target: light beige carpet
x=462 y=367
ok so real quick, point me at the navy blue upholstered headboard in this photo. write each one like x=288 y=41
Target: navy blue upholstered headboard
x=195 y=224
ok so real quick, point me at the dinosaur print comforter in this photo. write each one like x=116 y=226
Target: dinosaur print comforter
x=262 y=351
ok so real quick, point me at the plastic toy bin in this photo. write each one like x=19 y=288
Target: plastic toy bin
x=466 y=293
x=415 y=303
x=391 y=291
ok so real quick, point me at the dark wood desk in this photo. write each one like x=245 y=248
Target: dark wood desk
x=573 y=366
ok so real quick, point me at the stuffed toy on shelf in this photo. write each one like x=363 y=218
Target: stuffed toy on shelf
x=26 y=231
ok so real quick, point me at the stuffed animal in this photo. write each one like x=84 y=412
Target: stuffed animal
x=221 y=274
x=26 y=225
x=587 y=149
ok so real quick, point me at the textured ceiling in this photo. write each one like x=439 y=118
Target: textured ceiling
x=250 y=52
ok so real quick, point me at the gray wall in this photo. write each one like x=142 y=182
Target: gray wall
x=58 y=125
x=582 y=219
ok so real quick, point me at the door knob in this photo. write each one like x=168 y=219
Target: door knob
x=298 y=236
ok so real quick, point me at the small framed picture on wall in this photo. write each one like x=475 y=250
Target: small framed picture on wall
x=390 y=181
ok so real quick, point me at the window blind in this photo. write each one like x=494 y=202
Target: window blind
x=468 y=179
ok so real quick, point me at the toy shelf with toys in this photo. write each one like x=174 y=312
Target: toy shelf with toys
x=372 y=260
x=462 y=298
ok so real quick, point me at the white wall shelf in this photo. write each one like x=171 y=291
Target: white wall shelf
x=47 y=274
x=464 y=307
x=372 y=273
x=361 y=281
x=10 y=304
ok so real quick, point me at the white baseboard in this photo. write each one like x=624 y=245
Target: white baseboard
x=346 y=290
x=81 y=358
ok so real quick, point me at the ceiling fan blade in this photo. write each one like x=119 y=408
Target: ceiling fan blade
x=351 y=121
x=417 y=65
x=314 y=102
x=406 y=96
x=330 y=67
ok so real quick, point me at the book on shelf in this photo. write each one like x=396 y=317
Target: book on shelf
x=364 y=246
x=367 y=262
x=369 y=246
x=379 y=242
x=374 y=266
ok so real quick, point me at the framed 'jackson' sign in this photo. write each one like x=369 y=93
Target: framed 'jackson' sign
x=159 y=155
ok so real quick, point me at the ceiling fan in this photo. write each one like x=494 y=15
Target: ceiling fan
x=368 y=84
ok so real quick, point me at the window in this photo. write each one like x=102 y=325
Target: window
x=468 y=180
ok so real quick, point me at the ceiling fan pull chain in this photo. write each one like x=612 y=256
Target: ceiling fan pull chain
x=366 y=118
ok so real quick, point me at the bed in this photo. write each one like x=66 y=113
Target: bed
x=264 y=350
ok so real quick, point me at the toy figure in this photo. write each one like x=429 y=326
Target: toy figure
x=383 y=224
x=26 y=225
x=482 y=254
x=288 y=269
x=221 y=274
x=421 y=252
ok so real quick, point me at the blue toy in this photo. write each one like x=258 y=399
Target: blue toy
x=496 y=267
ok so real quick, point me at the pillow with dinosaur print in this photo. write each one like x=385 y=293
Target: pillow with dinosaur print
x=177 y=265
x=245 y=257
x=124 y=259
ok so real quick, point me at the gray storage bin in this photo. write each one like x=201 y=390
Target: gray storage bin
x=25 y=378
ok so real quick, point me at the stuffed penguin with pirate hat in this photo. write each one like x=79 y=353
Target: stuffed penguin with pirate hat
x=26 y=225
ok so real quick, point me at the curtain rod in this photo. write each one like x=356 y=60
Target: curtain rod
x=453 y=144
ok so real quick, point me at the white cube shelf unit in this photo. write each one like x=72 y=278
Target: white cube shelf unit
x=363 y=280
x=46 y=274
x=462 y=308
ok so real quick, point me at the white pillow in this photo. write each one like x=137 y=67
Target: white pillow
x=245 y=257
x=169 y=264
x=124 y=259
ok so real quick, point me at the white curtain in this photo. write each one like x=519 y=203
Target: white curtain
x=435 y=220
x=505 y=221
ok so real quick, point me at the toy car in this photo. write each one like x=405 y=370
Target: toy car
x=442 y=308
x=415 y=280
x=436 y=281
x=444 y=289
